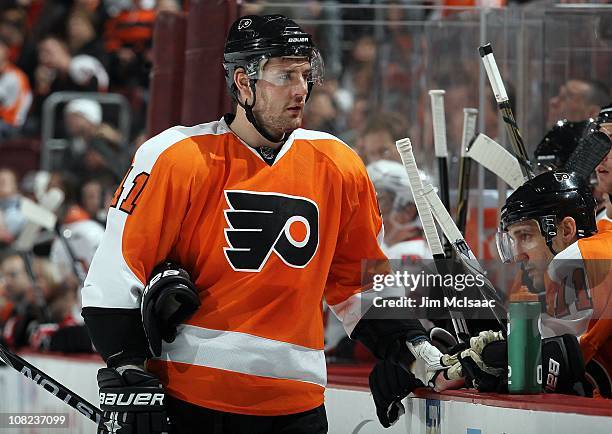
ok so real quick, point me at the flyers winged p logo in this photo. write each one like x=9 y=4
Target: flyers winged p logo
x=261 y=223
x=244 y=23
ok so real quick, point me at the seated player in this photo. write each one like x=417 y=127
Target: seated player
x=548 y=224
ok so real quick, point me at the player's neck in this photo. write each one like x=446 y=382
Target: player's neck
x=247 y=132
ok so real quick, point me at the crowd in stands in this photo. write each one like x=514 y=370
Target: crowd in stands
x=48 y=46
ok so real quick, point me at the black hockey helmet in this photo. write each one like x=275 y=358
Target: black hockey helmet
x=548 y=198
x=605 y=114
x=558 y=144
x=254 y=39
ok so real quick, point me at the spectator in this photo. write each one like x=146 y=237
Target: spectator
x=94 y=198
x=12 y=30
x=15 y=94
x=355 y=119
x=11 y=219
x=359 y=75
x=57 y=70
x=321 y=113
x=377 y=140
x=43 y=315
x=128 y=37
x=94 y=148
x=578 y=100
x=81 y=36
x=403 y=238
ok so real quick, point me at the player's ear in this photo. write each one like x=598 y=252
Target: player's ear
x=567 y=230
x=241 y=80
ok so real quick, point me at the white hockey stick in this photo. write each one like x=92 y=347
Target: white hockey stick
x=438 y=120
x=470 y=115
x=469 y=129
x=464 y=252
x=429 y=227
x=503 y=103
x=416 y=185
x=441 y=150
x=495 y=158
x=38 y=216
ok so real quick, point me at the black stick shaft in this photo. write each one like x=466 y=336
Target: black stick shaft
x=76 y=265
x=465 y=169
x=52 y=386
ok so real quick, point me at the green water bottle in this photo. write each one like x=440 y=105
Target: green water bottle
x=524 y=343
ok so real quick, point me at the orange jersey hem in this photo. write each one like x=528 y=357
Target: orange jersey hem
x=235 y=392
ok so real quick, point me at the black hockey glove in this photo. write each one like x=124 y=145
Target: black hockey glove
x=132 y=402
x=563 y=366
x=168 y=300
x=390 y=384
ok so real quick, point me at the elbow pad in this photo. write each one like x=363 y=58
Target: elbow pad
x=168 y=300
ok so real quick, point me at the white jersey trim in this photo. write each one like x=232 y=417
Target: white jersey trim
x=246 y=354
x=603 y=215
x=110 y=281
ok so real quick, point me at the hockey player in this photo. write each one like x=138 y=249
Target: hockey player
x=403 y=231
x=268 y=219
x=548 y=224
x=604 y=173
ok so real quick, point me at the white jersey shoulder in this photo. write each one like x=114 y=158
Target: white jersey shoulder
x=603 y=215
x=562 y=270
x=149 y=151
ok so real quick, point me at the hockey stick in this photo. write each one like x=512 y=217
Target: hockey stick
x=28 y=370
x=588 y=154
x=42 y=216
x=503 y=103
x=463 y=250
x=469 y=129
x=37 y=216
x=490 y=154
x=429 y=228
x=441 y=150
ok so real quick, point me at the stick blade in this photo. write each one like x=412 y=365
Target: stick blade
x=588 y=154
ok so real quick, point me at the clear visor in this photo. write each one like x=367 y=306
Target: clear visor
x=505 y=246
x=285 y=71
x=520 y=239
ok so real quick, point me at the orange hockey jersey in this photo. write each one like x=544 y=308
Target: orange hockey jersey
x=15 y=96
x=579 y=298
x=604 y=223
x=263 y=244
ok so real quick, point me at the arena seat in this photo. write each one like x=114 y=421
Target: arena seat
x=20 y=154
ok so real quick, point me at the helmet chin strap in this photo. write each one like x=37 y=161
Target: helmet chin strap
x=248 y=108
